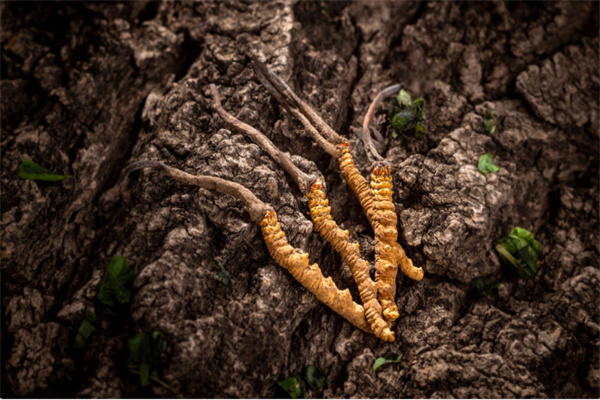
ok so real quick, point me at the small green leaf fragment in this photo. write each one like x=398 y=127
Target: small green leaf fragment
x=86 y=328
x=484 y=289
x=158 y=345
x=314 y=377
x=145 y=354
x=378 y=363
x=292 y=386
x=486 y=164
x=405 y=114
x=489 y=126
x=419 y=107
x=488 y=122
x=528 y=237
x=402 y=120
x=144 y=374
x=30 y=170
x=519 y=251
x=419 y=131
x=79 y=342
x=404 y=98
x=117 y=282
x=381 y=361
x=117 y=267
x=139 y=348
x=223 y=276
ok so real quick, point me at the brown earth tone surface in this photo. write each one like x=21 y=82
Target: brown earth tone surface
x=88 y=87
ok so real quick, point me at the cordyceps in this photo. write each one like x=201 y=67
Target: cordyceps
x=378 y=296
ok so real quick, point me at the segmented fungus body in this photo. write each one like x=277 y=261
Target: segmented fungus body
x=310 y=276
x=355 y=180
x=384 y=225
x=378 y=296
x=320 y=213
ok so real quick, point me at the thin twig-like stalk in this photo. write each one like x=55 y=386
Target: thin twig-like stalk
x=283 y=93
x=372 y=153
x=255 y=207
x=302 y=179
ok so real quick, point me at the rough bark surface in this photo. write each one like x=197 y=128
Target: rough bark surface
x=88 y=87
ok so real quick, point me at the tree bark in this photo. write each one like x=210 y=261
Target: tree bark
x=89 y=87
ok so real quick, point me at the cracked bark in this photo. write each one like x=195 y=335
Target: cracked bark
x=88 y=87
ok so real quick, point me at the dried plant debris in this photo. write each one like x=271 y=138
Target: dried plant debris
x=519 y=251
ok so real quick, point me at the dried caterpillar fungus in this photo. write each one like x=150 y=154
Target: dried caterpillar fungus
x=385 y=216
x=388 y=252
x=384 y=224
x=406 y=264
x=376 y=201
x=310 y=276
x=355 y=180
x=375 y=198
x=350 y=253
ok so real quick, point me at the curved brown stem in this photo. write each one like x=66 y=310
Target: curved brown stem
x=283 y=93
x=255 y=207
x=302 y=179
x=372 y=153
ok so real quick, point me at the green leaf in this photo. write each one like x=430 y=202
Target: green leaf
x=30 y=170
x=419 y=131
x=158 y=345
x=404 y=120
x=519 y=251
x=418 y=107
x=393 y=108
x=117 y=267
x=404 y=98
x=292 y=386
x=86 y=328
x=223 y=276
x=140 y=348
x=527 y=236
x=384 y=361
x=482 y=288
x=314 y=377
x=146 y=348
x=117 y=282
x=145 y=354
x=105 y=297
x=486 y=164
x=488 y=122
x=405 y=114
x=79 y=342
x=144 y=374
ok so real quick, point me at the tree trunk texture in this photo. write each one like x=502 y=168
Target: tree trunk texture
x=89 y=87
